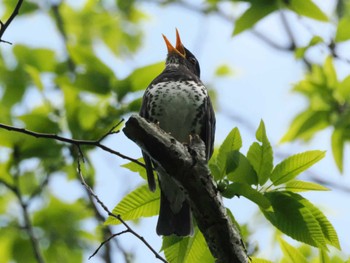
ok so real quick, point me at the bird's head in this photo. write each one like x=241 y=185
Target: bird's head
x=179 y=55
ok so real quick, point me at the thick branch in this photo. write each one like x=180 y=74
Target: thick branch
x=188 y=166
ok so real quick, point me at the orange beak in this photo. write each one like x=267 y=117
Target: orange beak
x=179 y=47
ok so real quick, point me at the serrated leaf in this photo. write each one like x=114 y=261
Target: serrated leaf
x=247 y=191
x=301 y=186
x=338 y=142
x=307 y=8
x=232 y=142
x=256 y=12
x=261 y=156
x=239 y=169
x=294 y=218
x=343 y=32
x=291 y=252
x=327 y=229
x=139 y=203
x=292 y=166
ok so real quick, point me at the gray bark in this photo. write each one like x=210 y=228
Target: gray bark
x=187 y=164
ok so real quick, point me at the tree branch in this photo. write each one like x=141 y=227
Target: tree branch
x=5 y=25
x=75 y=142
x=118 y=217
x=187 y=164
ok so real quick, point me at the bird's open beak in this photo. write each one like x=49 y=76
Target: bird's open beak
x=179 y=49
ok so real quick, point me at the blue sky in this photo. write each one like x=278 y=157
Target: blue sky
x=260 y=88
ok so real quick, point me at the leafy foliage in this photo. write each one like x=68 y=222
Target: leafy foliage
x=328 y=107
x=77 y=94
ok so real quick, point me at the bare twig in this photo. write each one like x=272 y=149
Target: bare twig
x=28 y=226
x=107 y=240
x=75 y=142
x=5 y=25
x=118 y=217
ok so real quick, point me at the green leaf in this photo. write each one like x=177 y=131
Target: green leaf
x=139 y=79
x=239 y=169
x=223 y=71
x=41 y=59
x=324 y=258
x=198 y=250
x=306 y=124
x=261 y=156
x=327 y=229
x=175 y=248
x=233 y=142
x=292 y=166
x=338 y=142
x=307 y=8
x=292 y=253
x=242 y=189
x=343 y=32
x=259 y=260
x=139 y=203
x=187 y=249
x=35 y=76
x=330 y=73
x=300 y=52
x=134 y=167
x=294 y=219
x=256 y=12
x=301 y=186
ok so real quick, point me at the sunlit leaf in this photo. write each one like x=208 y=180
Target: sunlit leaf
x=136 y=168
x=306 y=124
x=301 y=186
x=338 y=142
x=292 y=253
x=292 y=166
x=307 y=8
x=261 y=156
x=139 y=203
x=343 y=32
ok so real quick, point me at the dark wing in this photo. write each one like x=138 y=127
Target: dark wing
x=208 y=130
x=146 y=158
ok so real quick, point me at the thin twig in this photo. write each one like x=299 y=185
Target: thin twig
x=75 y=142
x=5 y=25
x=28 y=226
x=118 y=217
x=107 y=240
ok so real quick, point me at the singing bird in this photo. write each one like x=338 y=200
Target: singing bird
x=179 y=102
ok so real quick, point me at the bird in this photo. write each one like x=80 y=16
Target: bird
x=179 y=103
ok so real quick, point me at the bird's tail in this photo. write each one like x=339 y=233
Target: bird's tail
x=169 y=223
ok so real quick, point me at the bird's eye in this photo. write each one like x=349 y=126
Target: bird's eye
x=192 y=60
